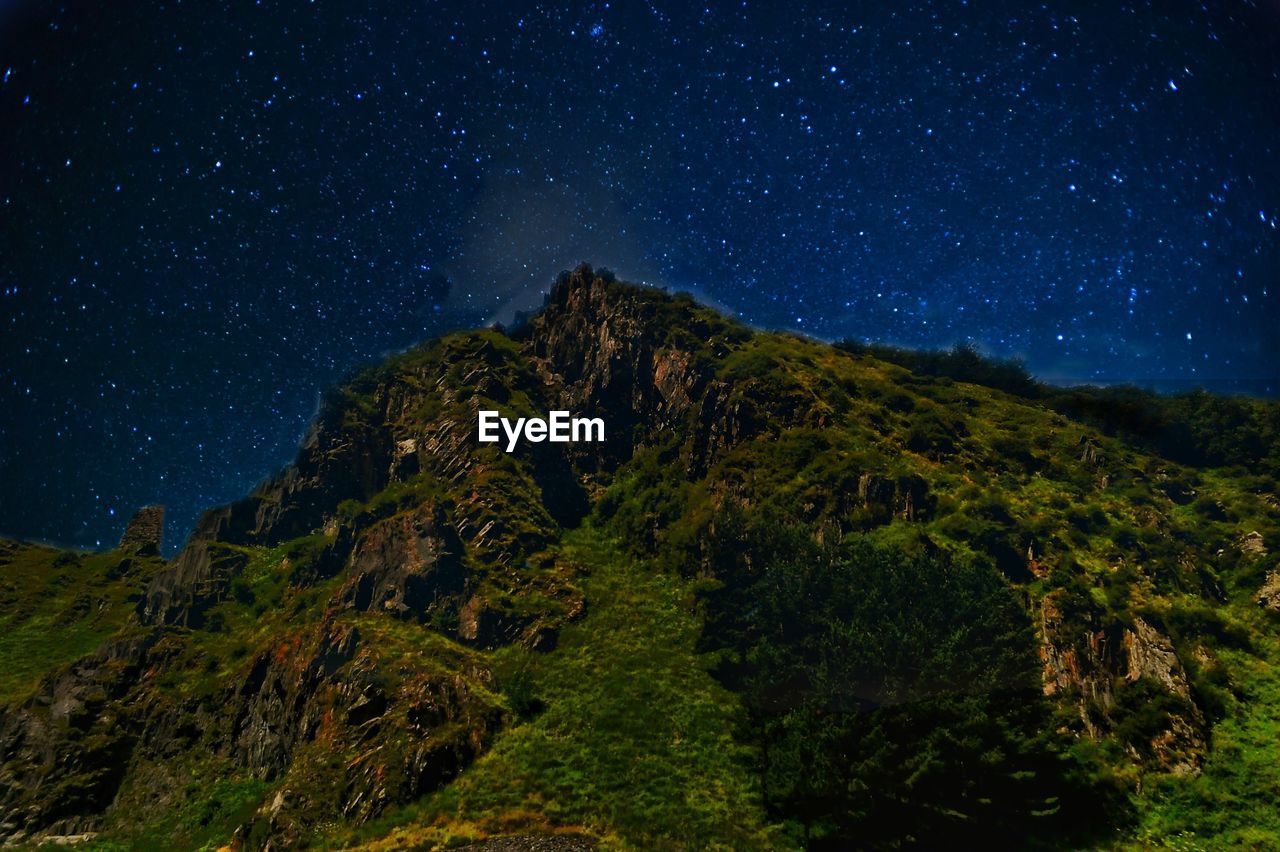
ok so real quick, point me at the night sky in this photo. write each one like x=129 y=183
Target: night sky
x=209 y=212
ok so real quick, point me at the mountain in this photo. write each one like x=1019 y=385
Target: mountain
x=801 y=596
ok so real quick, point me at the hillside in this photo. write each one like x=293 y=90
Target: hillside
x=801 y=596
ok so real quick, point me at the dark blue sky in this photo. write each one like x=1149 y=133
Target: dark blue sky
x=209 y=212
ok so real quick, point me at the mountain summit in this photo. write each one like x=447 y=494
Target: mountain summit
x=801 y=595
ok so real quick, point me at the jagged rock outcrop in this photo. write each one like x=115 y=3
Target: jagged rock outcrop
x=195 y=581
x=1149 y=655
x=1083 y=665
x=1269 y=594
x=599 y=348
x=280 y=702
x=722 y=423
x=1090 y=452
x=1090 y=666
x=409 y=566
x=905 y=497
x=144 y=533
x=65 y=750
x=343 y=457
x=404 y=736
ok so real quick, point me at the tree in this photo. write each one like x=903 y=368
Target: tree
x=894 y=696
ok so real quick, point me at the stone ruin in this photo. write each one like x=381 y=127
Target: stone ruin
x=143 y=534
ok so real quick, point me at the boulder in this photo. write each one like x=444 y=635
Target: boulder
x=1252 y=544
x=1269 y=594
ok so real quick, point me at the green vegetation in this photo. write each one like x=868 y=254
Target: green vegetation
x=1231 y=805
x=1196 y=428
x=623 y=733
x=895 y=695
x=206 y=811
x=56 y=606
x=807 y=595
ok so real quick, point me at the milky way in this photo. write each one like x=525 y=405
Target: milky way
x=210 y=212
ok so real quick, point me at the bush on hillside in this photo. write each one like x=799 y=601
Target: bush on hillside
x=894 y=695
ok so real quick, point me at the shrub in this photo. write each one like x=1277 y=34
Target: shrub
x=894 y=694
x=934 y=433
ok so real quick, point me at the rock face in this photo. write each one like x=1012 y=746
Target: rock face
x=411 y=736
x=409 y=566
x=1180 y=748
x=1091 y=667
x=68 y=749
x=595 y=348
x=197 y=579
x=69 y=737
x=905 y=497
x=281 y=700
x=1086 y=666
x=144 y=533
x=1269 y=594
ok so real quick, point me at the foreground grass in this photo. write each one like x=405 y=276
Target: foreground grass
x=203 y=819
x=632 y=744
x=1232 y=803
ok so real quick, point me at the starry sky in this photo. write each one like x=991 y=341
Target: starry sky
x=209 y=212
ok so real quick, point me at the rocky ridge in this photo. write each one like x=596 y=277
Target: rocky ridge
x=407 y=551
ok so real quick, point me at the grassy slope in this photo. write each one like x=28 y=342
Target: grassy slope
x=1232 y=804
x=57 y=606
x=211 y=807
x=634 y=744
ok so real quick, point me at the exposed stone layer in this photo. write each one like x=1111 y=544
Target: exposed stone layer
x=145 y=532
